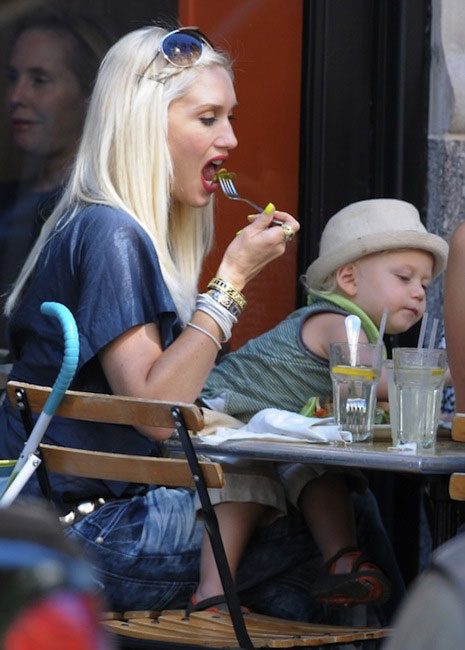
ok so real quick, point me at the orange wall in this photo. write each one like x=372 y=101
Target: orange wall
x=264 y=39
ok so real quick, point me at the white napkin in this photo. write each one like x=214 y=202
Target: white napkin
x=281 y=426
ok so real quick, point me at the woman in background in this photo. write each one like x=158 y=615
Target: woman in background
x=51 y=70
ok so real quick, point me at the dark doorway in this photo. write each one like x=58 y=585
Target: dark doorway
x=364 y=135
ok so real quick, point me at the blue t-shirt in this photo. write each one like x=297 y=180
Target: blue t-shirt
x=103 y=266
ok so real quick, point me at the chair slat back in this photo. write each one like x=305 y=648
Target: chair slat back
x=171 y=472
x=114 y=409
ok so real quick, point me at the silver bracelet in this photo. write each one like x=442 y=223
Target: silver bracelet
x=200 y=329
x=224 y=319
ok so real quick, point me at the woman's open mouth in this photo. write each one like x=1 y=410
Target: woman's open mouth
x=208 y=174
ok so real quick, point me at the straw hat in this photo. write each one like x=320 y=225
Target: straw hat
x=372 y=226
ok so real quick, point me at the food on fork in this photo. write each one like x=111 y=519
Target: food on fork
x=223 y=173
x=225 y=180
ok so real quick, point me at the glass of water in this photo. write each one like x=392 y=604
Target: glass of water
x=419 y=378
x=355 y=370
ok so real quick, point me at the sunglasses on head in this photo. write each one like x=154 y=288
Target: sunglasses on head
x=182 y=47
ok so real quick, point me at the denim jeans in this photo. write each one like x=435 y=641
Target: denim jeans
x=146 y=551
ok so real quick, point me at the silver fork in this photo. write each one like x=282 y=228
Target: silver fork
x=229 y=190
x=355 y=411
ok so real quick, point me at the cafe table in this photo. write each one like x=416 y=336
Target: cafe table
x=434 y=465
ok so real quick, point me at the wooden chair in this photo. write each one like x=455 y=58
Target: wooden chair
x=457 y=486
x=458 y=427
x=170 y=628
x=457 y=479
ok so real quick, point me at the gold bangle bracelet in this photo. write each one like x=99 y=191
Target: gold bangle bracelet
x=229 y=290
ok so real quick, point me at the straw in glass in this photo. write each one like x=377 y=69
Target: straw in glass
x=432 y=338
x=421 y=336
x=379 y=341
x=382 y=326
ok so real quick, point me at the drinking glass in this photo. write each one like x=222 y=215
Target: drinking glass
x=419 y=378
x=355 y=370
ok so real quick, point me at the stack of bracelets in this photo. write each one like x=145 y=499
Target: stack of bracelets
x=224 y=303
x=225 y=294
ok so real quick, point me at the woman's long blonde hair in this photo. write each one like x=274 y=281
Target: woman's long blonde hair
x=124 y=161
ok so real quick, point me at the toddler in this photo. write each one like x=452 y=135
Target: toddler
x=374 y=254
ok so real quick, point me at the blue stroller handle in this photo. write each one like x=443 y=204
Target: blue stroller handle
x=28 y=461
x=70 y=355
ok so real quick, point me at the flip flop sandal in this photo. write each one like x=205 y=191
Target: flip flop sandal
x=363 y=583
x=215 y=604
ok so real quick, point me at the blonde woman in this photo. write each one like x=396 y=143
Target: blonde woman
x=123 y=249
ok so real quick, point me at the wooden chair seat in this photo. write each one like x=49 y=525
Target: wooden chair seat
x=211 y=630
x=162 y=629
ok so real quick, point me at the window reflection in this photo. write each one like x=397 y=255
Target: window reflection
x=54 y=52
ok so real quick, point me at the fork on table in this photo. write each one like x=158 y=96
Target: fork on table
x=355 y=413
x=229 y=190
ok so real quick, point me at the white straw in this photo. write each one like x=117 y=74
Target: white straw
x=382 y=326
x=432 y=337
x=378 y=346
x=421 y=336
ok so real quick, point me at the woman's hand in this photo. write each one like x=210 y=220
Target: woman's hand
x=255 y=246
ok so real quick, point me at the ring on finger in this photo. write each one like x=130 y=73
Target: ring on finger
x=288 y=232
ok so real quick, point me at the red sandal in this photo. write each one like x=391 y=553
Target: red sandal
x=362 y=582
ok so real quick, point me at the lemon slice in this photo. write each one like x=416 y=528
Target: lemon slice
x=354 y=371
x=437 y=371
